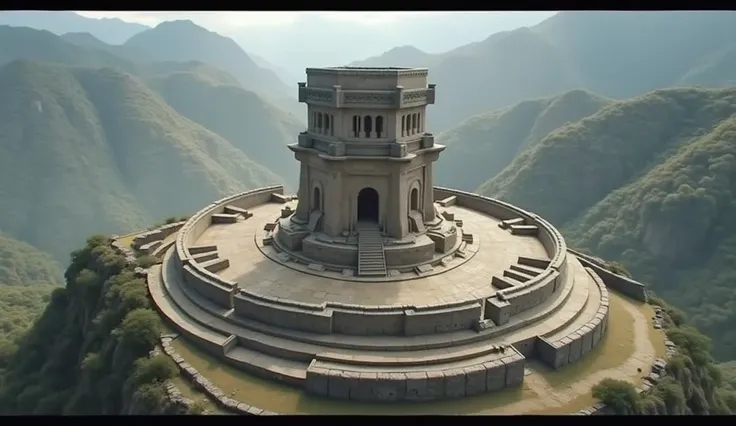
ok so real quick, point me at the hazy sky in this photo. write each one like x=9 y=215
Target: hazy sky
x=291 y=41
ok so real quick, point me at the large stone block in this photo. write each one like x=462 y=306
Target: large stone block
x=454 y=383
x=416 y=386
x=475 y=380
x=390 y=386
x=514 y=370
x=363 y=389
x=495 y=375
x=435 y=384
x=562 y=356
x=596 y=323
x=317 y=381
x=587 y=339
x=576 y=347
x=339 y=384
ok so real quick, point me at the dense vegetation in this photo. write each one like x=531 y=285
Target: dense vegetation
x=693 y=383
x=610 y=53
x=89 y=351
x=656 y=194
x=22 y=264
x=486 y=143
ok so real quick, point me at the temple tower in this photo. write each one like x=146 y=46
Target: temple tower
x=365 y=188
x=365 y=156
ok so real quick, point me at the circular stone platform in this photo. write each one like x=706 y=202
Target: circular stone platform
x=459 y=325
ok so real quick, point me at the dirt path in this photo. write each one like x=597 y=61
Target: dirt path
x=548 y=397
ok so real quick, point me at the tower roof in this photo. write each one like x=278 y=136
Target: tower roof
x=348 y=70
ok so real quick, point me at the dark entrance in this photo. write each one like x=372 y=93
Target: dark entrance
x=368 y=205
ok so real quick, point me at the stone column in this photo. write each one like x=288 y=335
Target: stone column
x=332 y=219
x=302 y=208
x=428 y=211
x=396 y=212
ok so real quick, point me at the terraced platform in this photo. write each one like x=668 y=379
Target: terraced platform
x=448 y=334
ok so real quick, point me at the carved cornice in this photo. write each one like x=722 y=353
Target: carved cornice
x=352 y=98
x=412 y=96
x=319 y=95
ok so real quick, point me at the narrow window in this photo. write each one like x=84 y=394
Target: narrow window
x=367 y=125
x=332 y=129
x=408 y=124
x=413 y=123
x=317 y=201
x=314 y=121
x=355 y=126
x=319 y=122
x=420 y=128
x=327 y=124
x=379 y=126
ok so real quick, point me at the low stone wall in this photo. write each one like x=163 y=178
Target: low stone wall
x=570 y=348
x=507 y=371
x=511 y=301
x=200 y=382
x=200 y=278
x=617 y=282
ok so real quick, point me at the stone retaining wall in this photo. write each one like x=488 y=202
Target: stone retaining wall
x=208 y=388
x=341 y=318
x=617 y=282
x=506 y=371
x=514 y=300
x=570 y=348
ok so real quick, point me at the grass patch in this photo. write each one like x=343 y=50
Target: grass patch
x=127 y=240
x=616 y=347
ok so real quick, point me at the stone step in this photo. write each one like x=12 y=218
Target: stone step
x=518 y=276
x=224 y=218
x=201 y=249
x=529 y=270
x=533 y=262
x=505 y=224
x=502 y=283
x=524 y=230
x=206 y=256
x=237 y=210
x=216 y=265
x=263 y=365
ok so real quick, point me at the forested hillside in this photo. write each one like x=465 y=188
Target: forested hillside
x=609 y=53
x=481 y=146
x=648 y=182
x=87 y=150
x=89 y=351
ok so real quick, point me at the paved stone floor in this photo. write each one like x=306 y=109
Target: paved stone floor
x=498 y=249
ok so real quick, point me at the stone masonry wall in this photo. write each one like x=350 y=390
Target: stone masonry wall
x=617 y=282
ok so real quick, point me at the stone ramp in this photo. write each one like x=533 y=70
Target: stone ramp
x=417 y=221
x=314 y=219
x=371 y=257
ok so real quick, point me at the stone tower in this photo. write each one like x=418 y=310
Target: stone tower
x=366 y=197
x=365 y=156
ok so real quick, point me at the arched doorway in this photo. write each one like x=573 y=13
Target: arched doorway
x=368 y=205
x=317 y=199
x=414 y=199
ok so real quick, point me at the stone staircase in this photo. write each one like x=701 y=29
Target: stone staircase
x=371 y=258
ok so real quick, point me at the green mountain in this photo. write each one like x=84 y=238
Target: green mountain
x=648 y=182
x=615 y=54
x=111 y=30
x=239 y=116
x=95 y=150
x=23 y=264
x=34 y=45
x=184 y=41
x=487 y=143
